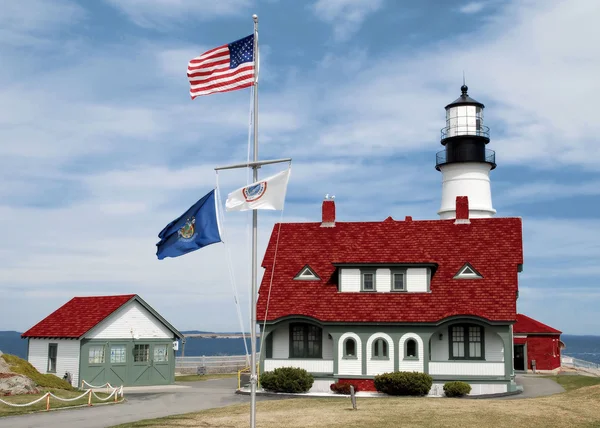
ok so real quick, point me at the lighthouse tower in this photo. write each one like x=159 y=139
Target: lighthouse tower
x=465 y=162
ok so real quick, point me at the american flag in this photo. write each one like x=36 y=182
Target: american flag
x=222 y=69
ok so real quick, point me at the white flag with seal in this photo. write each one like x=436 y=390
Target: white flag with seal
x=266 y=194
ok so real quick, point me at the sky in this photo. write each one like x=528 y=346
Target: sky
x=101 y=145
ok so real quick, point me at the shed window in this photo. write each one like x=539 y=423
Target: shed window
x=380 y=348
x=96 y=355
x=141 y=353
x=118 y=354
x=52 y=352
x=160 y=354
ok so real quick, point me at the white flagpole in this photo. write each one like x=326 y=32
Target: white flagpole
x=253 y=377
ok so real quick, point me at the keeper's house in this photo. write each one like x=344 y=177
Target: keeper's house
x=115 y=339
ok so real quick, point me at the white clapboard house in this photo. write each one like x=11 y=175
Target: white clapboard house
x=115 y=339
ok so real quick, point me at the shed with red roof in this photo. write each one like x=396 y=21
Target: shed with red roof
x=116 y=339
x=536 y=344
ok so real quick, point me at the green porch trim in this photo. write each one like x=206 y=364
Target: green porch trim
x=469 y=318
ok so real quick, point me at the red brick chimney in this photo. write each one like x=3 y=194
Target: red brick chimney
x=328 y=212
x=462 y=210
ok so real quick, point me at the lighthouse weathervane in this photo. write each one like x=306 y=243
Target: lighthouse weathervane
x=465 y=162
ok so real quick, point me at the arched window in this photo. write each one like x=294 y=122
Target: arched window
x=380 y=348
x=350 y=348
x=411 y=349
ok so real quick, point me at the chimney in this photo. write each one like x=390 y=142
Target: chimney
x=328 y=212
x=462 y=210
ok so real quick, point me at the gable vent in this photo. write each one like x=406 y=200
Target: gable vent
x=468 y=272
x=307 y=274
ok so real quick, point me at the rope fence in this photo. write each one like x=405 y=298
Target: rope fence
x=115 y=394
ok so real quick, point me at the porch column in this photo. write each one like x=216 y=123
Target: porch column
x=336 y=339
x=426 y=337
x=509 y=372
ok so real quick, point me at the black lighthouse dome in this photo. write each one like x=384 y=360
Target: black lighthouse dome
x=465 y=136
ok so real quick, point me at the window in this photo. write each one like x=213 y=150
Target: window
x=160 y=354
x=466 y=342
x=350 y=348
x=307 y=274
x=411 y=349
x=118 y=354
x=96 y=354
x=305 y=341
x=52 y=352
x=380 y=349
x=467 y=272
x=141 y=353
x=269 y=346
x=398 y=280
x=368 y=281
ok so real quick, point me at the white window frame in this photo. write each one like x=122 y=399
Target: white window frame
x=393 y=282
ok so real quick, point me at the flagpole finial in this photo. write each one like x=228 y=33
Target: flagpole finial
x=255 y=17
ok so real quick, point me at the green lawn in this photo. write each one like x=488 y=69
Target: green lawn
x=196 y=378
x=570 y=383
x=54 y=403
x=577 y=407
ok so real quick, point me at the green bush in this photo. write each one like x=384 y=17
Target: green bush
x=287 y=379
x=404 y=383
x=342 y=388
x=456 y=389
x=20 y=366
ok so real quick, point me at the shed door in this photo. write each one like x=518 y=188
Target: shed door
x=519 y=357
x=160 y=372
x=140 y=373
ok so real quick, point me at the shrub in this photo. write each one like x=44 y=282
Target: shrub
x=287 y=379
x=342 y=388
x=20 y=366
x=456 y=389
x=404 y=383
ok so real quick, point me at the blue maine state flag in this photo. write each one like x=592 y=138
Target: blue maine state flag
x=196 y=228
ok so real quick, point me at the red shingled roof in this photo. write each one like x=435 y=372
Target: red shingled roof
x=525 y=324
x=493 y=246
x=78 y=316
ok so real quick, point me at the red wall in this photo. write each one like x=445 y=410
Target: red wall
x=544 y=350
x=362 y=384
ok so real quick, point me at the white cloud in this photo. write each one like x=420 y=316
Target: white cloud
x=346 y=16
x=163 y=13
x=472 y=7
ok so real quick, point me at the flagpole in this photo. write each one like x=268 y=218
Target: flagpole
x=253 y=377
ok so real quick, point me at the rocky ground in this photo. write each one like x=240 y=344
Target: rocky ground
x=14 y=384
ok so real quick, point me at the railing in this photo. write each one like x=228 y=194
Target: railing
x=312 y=365
x=442 y=158
x=464 y=129
x=213 y=364
x=466 y=368
x=569 y=361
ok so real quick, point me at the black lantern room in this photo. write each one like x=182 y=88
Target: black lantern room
x=465 y=137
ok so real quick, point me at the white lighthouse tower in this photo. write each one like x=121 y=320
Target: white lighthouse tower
x=465 y=162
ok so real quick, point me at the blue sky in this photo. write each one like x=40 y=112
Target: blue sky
x=101 y=146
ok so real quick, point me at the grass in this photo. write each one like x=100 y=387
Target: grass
x=570 y=383
x=196 y=378
x=20 y=366
x=54 y=403
x=578 y=407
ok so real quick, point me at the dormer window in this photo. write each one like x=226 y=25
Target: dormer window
x=368 y=280
x=307 y=274
x=467 y=272
x=398 y=280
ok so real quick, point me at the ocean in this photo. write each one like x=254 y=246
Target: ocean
x=583 y=347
